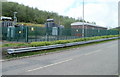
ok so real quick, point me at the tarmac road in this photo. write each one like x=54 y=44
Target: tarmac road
x=97 y=59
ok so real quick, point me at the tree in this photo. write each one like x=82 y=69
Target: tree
x=34 y=15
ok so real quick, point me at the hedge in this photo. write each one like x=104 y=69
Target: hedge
x=45 y=43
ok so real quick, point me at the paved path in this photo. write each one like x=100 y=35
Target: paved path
x=98 y=59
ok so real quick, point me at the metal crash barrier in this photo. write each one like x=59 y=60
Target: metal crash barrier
x=28 y=49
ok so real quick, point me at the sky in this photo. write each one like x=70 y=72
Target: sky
x=103 y=12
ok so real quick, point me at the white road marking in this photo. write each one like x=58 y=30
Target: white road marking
x=92 y=52
x=49 y=65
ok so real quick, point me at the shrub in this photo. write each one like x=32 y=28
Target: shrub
x=14 y=44
x=35 y=44
x=62 y=41
x=6 y=45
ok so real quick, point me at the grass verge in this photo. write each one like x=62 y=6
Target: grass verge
x=7 y=56
x=45 y=43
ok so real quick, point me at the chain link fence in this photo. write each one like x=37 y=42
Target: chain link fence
x=32 y=33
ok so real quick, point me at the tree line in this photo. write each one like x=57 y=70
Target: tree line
x=34 y=15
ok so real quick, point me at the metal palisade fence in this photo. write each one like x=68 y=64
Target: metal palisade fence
x=33 y=33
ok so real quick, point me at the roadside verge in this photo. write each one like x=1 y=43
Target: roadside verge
x=53 y=50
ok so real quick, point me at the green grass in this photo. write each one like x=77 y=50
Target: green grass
x=32 y=24
x=6 y=56
x=15 y=44
x=45 y=43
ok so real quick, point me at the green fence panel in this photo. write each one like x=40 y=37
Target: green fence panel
x=34 y=33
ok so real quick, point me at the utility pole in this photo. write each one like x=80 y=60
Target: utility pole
x=83 y=21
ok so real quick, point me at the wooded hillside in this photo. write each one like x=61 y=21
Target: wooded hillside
x=33 y=15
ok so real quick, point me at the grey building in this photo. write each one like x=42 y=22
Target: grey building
x=6 y=21
x=79 y=25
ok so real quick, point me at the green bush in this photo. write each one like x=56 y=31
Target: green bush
x=6 y=45
x=14 y=44
x=22 y=44
x=35 y=44
x=62 y=41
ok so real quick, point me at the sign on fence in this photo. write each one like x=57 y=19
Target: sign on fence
x=55 y=31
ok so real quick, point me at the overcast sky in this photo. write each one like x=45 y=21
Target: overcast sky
x=103 y=12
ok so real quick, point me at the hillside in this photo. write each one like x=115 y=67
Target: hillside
x=33 y=15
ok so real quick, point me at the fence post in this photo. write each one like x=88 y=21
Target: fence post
x=26 y=36
x=36 y=33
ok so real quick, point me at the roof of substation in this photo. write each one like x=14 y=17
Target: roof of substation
x=81 y=23
x=3 y=17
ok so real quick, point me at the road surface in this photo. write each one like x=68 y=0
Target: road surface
x=97 y=59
